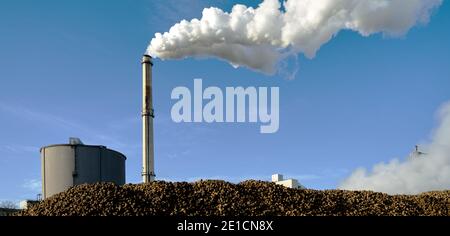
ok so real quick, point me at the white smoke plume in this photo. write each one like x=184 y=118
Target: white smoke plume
x=259 y=38
x=427 y=172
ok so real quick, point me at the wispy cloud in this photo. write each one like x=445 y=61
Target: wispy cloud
x=178 y=154
x=176 y=10
x=33 y=185
x=17 y=148
x=177 y=140
x=93 y=135
x=124 y=123
x=29 y=114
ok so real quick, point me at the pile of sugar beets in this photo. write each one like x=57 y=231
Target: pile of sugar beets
x=219 y=198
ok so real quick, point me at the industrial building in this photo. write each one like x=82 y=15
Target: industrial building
x=290 y=183
x=67 y=165
x=25 y=204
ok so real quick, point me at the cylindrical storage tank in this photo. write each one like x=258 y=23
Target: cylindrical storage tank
x=67 y=165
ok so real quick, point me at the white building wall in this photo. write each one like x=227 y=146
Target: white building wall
x=289 y=183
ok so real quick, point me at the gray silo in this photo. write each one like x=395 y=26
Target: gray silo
x=67 y=165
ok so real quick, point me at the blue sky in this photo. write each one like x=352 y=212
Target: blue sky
x=72 y=68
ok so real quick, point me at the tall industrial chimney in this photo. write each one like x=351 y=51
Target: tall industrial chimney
x=148 y=173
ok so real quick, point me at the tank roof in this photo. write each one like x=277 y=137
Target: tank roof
x=82 y=145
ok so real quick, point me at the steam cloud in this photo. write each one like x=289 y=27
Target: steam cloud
x=426 y=173
x=259 y=38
